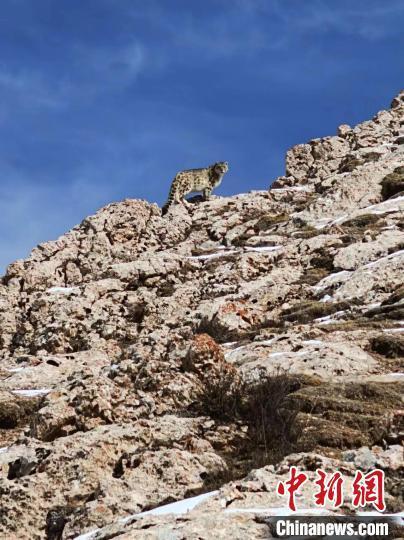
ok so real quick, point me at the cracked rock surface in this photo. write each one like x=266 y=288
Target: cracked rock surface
x=108 y=334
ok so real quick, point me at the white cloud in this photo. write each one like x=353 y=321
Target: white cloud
x=94 y=71
x=109 y=65
x=29 y=87
x=363 y=19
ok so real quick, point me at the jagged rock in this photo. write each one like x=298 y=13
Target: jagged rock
x=240 y=509
x=203 y=353
x=108 y=334
x=299 y=161
x=55 y=523
x=359 y=253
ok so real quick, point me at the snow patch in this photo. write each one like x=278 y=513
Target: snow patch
x=253 y=192
x=386 y=258
x=324 y=320
x=329 y=319
x=370 y=306
x=229 y=344
x=3 y=449
x=224 y=251
x=386 y=144
x=265 y=342
x=313 y=342
x=62 y=290
x=332 y=279
x=328 y=222
x=31 y=393
x=87 y=536
x=292 y=188
x=276 y=354
x=232 y=351
x=395 y=518
x=215 y=255
x=393 y=330
x=261 y=249
x=278 y=511
x=379 y=208
x=178 y=508
x=384 y=203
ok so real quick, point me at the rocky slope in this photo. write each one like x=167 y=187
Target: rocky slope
x=137 y=352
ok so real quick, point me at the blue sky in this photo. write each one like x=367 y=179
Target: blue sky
x=106 y=99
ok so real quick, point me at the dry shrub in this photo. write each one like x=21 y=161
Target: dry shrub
x=220 y=392
x=363 y=221
x=263 y=404
x=388 y=346
x=267 y=221
x=270 y=413
x=304 y=312
x=396 y=296
x=393 y=183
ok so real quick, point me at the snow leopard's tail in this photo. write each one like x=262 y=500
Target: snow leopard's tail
x=170 y=200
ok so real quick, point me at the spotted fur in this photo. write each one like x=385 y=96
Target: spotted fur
x=192 y=180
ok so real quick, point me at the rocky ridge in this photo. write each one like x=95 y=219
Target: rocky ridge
x=115 y=337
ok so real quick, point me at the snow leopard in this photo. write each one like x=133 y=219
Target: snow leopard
x=205 y=180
